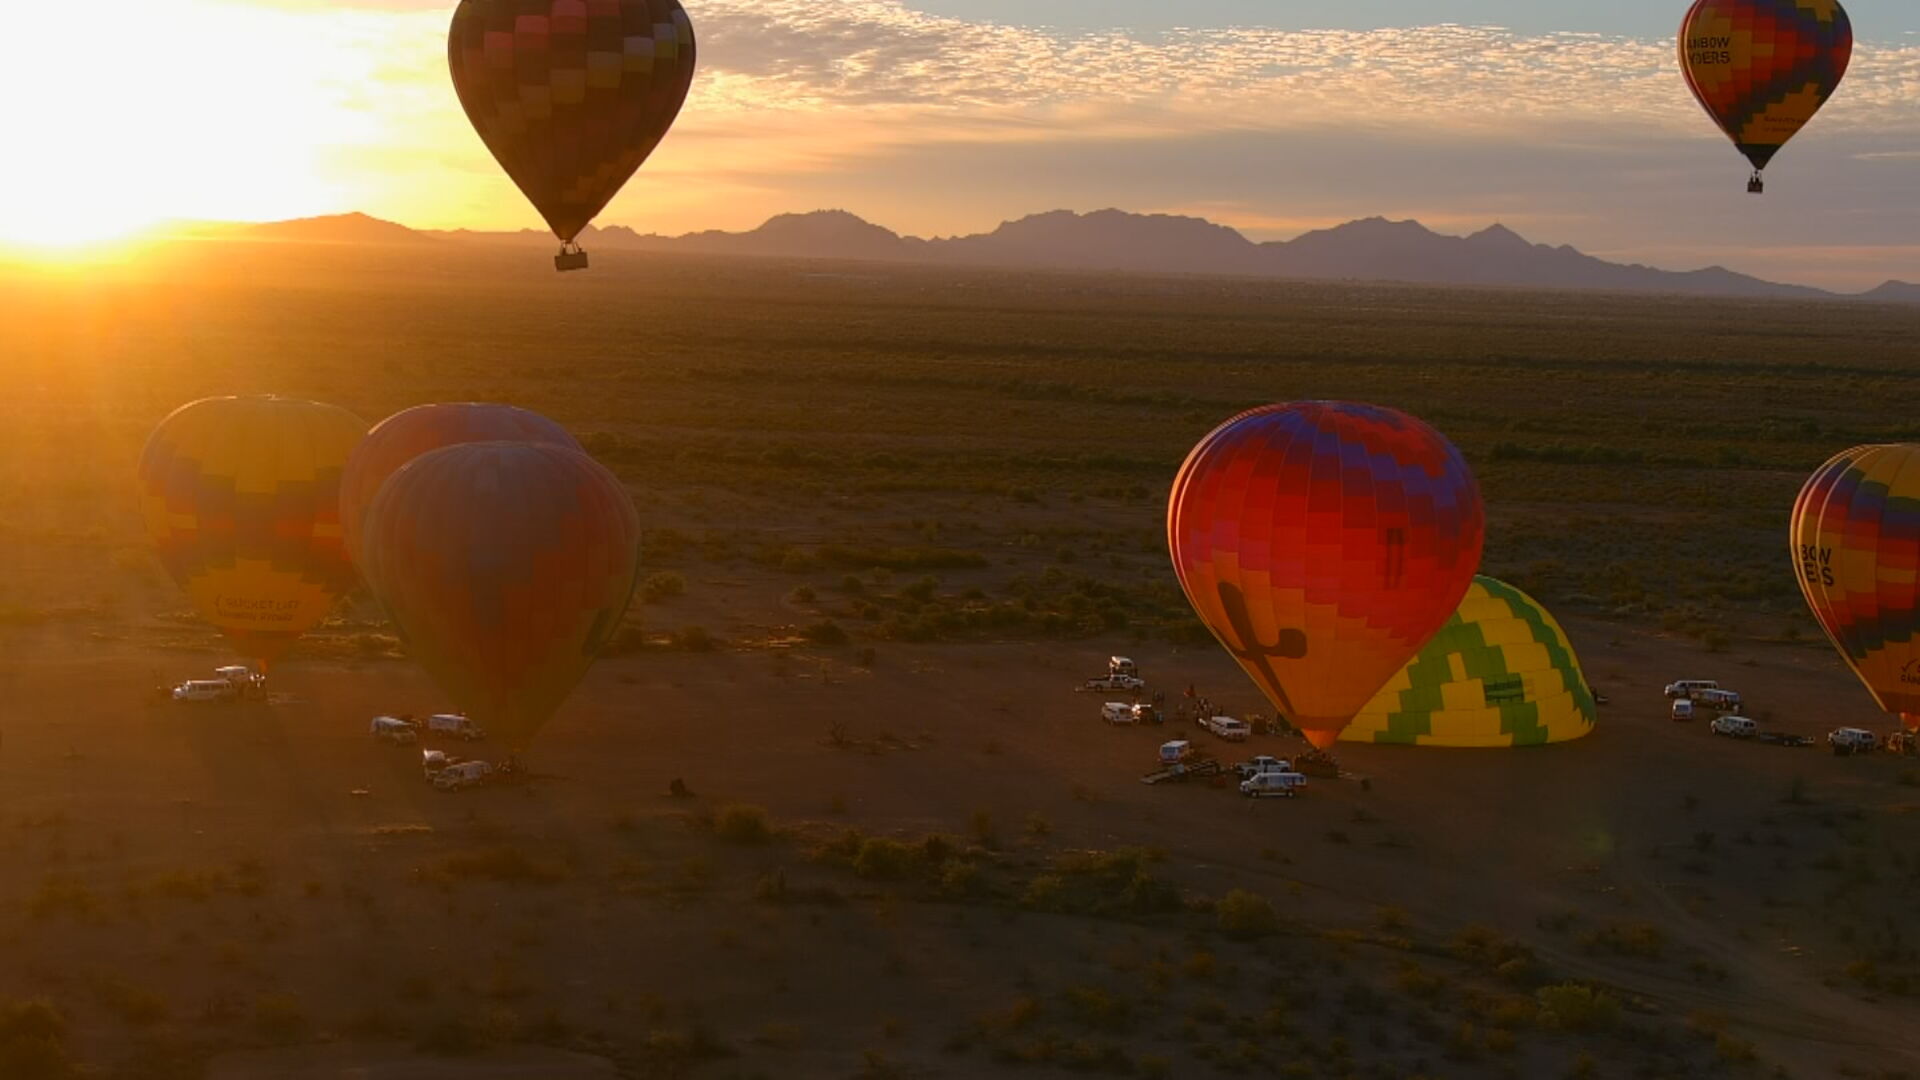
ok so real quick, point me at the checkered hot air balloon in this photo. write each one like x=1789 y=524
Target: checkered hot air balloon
x=1762 y=68
x=406 y=435
x=1323 y=543
x=1500 y=673
x=242 y=498
x=506 y=568
x=1856 y=552
x=571 y=96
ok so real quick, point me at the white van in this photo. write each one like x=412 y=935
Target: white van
x=397 y=732
x=1734 y=727
x=1123 y=665
x=1268 y=785
x=1852 y=740
x=456 y=725
x=464 y=775
x=1226 y=727
x=1687 y=688
x=1682 y=709
x=1175 y=752
x=1117 y=712
x=1720 y=700
x=205 y=690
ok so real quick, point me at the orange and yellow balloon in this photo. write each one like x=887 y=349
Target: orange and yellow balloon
x=242 y=498
x=1856 y=553
x=1324 y=543
x=505 y=567
x=1762 y=68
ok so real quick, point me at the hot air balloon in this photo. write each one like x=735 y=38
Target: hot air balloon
x=571 y=96
x=505 y=567
x=1500 y=673
x=1762 y=68
x=406 y=435
x=1856 y=552
x=1323 y=543
x=242 y=498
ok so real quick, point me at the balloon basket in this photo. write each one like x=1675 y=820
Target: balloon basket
x=570 y=258
x=1755 y=185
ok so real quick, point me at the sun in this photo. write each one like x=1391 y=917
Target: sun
x=193 y=109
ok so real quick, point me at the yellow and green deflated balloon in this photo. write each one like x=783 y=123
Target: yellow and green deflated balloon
x=1500 y=673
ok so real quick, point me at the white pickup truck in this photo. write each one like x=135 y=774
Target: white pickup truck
x=1115 y=682
x=1262 y=764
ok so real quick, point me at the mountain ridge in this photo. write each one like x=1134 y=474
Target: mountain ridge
x=1368 y=249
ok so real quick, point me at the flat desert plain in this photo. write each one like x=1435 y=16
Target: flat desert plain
x=895 y=516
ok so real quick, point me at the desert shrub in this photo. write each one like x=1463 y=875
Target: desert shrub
x=62 y=895
x=33 y=1042
x=743 y=824
x=959 y=880
x=279 y=1019
x=662 y=586
x=1576 y=1007
x=1245 y=915
x=133 y=1005
x=505 y=864
x=451 y=1036
x=885 y=859
x=695 y=639
x=1642 y=940
x=803 y=594
x=826 y=633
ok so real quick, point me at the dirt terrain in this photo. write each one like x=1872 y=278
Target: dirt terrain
x=889 y=531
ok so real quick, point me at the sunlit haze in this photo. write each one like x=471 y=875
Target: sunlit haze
x=929 y=118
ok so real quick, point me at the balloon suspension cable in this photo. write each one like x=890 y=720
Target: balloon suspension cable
x=571 y=257
x=1755 y=185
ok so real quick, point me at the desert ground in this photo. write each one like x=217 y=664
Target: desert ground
x=894 y=517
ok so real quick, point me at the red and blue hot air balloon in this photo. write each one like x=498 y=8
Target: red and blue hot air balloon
x=1324 y=543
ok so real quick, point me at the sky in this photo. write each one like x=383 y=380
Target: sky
x=1568 y=122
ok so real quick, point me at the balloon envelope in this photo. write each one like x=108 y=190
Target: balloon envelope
x=241 y=496
x=571 y=96
x=1500 y=673
x=406 y=435
x=506 y=567
x=1762 y=68
x=1323 y=543
x=1856 y=552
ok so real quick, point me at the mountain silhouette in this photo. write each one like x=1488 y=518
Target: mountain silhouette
x=1371 y=249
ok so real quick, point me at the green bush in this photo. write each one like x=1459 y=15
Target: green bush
x=1576 y=1007
x=826 y=633
x=743 y=824
x=662 y=586
x=33 y=1042
x=884 y=859
x=1244 y=915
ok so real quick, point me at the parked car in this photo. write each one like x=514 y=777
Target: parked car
x=1226 y=727
x=466 y=774
x=1115 y=682
x=1852 y=740
x=456 y=725
x=1734 y=727
x=1263 y=763
x=246 y=681
x=1682 y=709
x=1117 y=712
x=1726 y=701
x=1284 y=785
x=397 y=732
x=1686 y=688
x=1123 y=665
x=206 y=690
